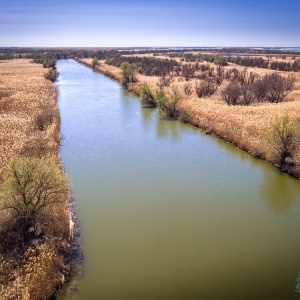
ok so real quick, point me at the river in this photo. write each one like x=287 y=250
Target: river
x=167 y=212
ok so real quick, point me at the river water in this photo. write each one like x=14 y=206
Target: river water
x=167 y=212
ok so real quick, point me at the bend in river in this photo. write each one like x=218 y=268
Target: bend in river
x=167 y=212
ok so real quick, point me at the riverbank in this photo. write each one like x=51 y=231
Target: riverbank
x=243 y=126
x=30 y=127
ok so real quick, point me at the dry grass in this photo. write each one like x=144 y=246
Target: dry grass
x=103 y=68
x=25 y=95
x=245 y=126
x=28 y=95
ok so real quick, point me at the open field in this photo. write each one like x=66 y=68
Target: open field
x=29 y=126
x=244 y=126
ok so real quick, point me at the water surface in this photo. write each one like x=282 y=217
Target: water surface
x=167 y=212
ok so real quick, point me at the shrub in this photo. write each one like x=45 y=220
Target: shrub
x=185 y=116
x=160 y=97
x=206 y=88
x=247 y=95
x=188 y=71
x=147 y=94
x=284 y=139
x=52 y=75
x=95 y=62
x=128 y=73
x=164 y=81
x=220 y=74
x=278 y=87
x=210 y=71
x=260 y=89
x=49 y=63
x=246 y=78
x=43 y=120
x=231 y=93
x=188 y=89
x=232 y=74
x=168 y=104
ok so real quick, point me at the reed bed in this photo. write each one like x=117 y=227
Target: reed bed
x=26 y=97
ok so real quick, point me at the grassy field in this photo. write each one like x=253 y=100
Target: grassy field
x=244 y=126
x=29 y=126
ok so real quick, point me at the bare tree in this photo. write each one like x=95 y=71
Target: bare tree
x=278 y=87
x=206 y=87
x=247 y=95
x=30 y=188
x=188 y=71
x=260 y=89
x=231 y=93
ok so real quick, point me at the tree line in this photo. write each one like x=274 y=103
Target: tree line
x=255 y=62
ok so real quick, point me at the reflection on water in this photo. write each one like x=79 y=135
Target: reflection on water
x=147 y=113
x=167 y=127
x=279 y=191
x=167 y=212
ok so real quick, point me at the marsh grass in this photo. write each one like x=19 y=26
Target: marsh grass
x=29 y=126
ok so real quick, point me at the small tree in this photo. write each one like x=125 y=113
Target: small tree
x=284 y=139
x=49 y=62
x=247 y=95
x=188 y=71
x=169 y=104
x=30 y=189
x=95 y=62
x=52 y=75
x=206 y=87
x=220 y=74
x=231 y=93
x=128 y=73
x=147 y=94
x=163 y=81
x=260 y=89
x=188 y=89
x=278 y=87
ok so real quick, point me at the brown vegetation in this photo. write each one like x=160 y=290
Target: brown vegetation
x=32 y=265
x=263 y=95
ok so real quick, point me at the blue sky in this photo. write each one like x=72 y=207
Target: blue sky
x=160 y=23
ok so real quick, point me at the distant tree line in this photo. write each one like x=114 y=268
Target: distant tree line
x=220 y=56
x=101 y=53
x=146 y=65
x=244 y=61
